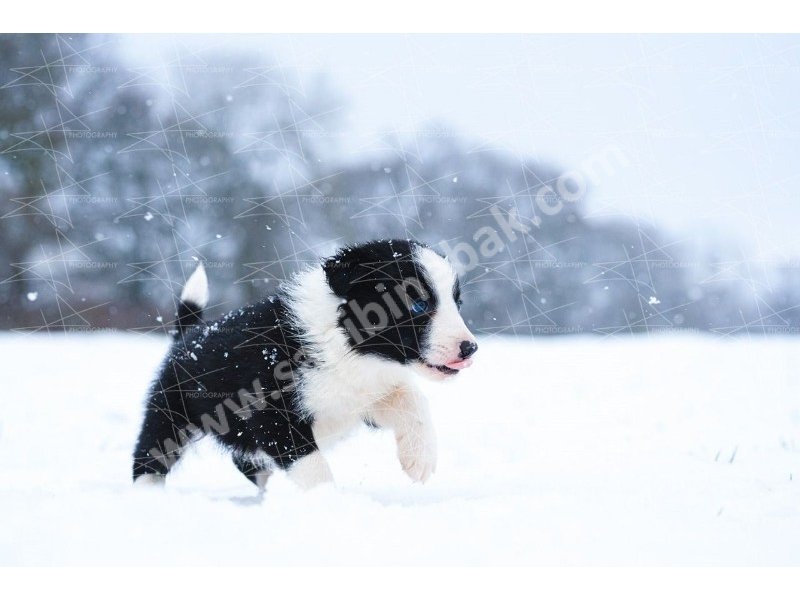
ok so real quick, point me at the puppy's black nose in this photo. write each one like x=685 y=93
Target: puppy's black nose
x=468 y=349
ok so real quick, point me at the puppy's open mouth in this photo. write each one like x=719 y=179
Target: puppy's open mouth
x=451 y=368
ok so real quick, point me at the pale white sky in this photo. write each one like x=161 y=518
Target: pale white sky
x=710 y=124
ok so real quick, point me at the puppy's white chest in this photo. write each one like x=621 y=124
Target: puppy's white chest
x=345 y=392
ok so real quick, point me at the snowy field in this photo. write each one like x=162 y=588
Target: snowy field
x=665 y=450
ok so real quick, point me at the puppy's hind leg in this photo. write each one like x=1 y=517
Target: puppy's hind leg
x=257 y=472
x=160 y=445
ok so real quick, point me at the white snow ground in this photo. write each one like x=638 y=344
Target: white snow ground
x=677 y=449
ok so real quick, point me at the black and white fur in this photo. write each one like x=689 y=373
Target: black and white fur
x=337 y=347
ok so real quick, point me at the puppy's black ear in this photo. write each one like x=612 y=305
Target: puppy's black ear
x=340 y=273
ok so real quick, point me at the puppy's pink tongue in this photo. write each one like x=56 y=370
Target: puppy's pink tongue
x=459 y=364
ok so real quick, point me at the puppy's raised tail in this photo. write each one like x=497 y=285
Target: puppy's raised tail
x=194 y=298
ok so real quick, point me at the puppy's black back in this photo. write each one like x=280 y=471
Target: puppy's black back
x=234 y=379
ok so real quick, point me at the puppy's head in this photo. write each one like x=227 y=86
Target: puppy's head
x=400 y=301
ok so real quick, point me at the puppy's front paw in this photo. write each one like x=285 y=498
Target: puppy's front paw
x=416 y=449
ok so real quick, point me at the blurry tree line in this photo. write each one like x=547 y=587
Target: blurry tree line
x=116 y=178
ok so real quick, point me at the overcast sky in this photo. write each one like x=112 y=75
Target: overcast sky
x=709 y=125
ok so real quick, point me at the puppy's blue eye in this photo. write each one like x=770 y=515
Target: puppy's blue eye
x=419 y=307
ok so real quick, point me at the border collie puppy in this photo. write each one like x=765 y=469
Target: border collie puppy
x=277 y=381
